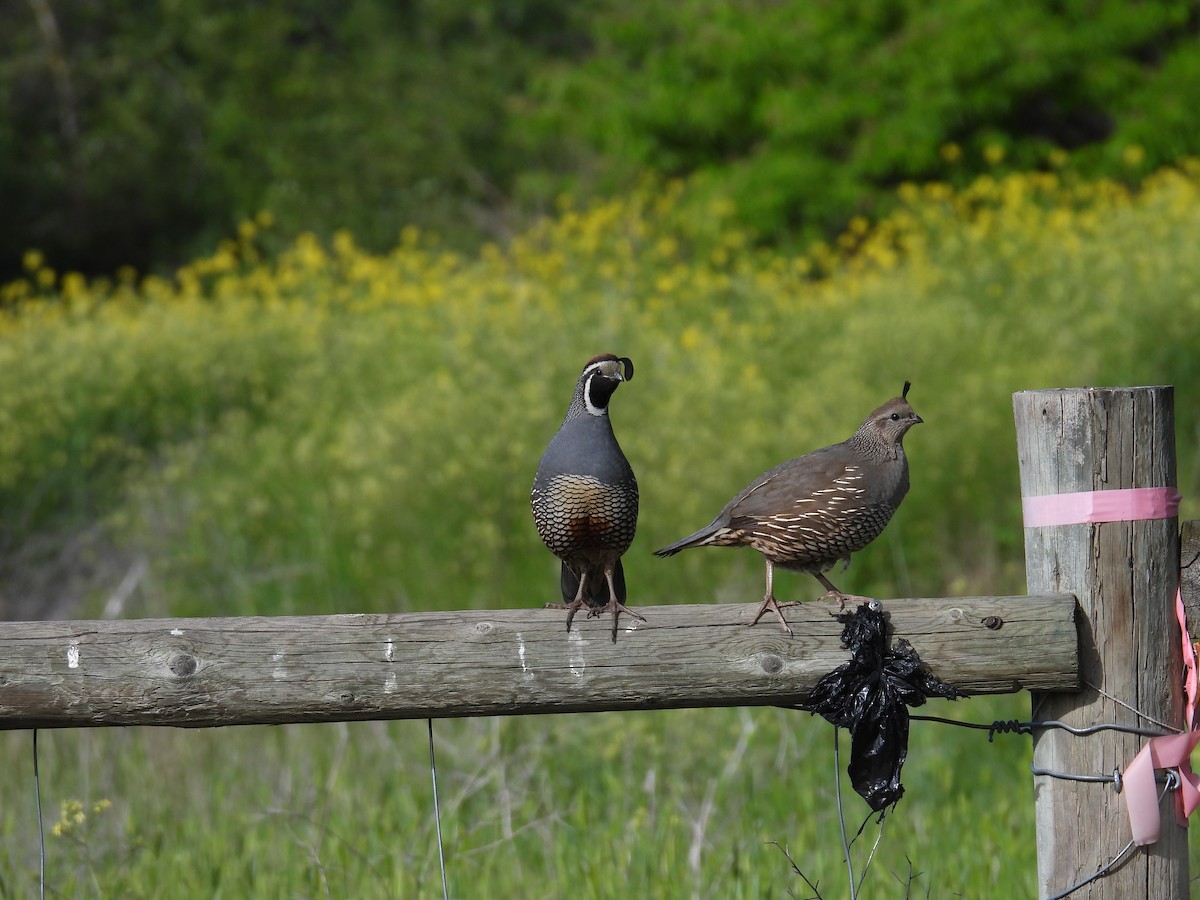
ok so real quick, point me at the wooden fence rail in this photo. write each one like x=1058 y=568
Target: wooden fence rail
x=256 y=670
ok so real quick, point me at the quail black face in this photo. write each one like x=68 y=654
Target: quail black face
x=600 y=378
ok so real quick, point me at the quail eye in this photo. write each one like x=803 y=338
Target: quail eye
x=895 y=417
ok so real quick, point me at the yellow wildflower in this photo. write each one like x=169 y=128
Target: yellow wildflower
x=1133 y=156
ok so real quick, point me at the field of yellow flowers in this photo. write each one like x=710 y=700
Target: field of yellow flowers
x=328 y=430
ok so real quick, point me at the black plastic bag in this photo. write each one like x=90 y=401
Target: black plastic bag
x=870 y=696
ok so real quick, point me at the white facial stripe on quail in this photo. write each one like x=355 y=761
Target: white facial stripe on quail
x=587 y=397
x=601 y=365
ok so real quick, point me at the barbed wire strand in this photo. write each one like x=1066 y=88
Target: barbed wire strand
x=1169 y=777
x=1133 y=709
x=1104 y=870
x=1013 y=726
x=1114 y=779
x=37 y=800
x=437 y=815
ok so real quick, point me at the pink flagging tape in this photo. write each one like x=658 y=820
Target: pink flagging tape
x=1124 y=505
x=1173 y=751
x=1191 y=674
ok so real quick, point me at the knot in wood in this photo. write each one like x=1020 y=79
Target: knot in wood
x=772 y=664
x=993 y=623
x=182 y=664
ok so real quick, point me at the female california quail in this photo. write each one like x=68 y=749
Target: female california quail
x=585 y=498
x=809 y=512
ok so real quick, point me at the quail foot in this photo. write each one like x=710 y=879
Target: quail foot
x=585 y=497
x=812 y=511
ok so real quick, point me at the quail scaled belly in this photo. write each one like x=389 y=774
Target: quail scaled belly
x=585 y=497
x=811 y=511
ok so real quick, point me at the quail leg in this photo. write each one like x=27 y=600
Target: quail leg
x=575 y=605
x=832 y=593
x=615 y=606
x=769 y=601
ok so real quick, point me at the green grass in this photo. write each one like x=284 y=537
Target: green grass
x=336 y=431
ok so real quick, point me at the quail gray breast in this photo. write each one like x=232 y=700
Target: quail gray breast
x=810 y=512
x=585 y=496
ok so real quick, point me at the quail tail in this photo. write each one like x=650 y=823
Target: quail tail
x=596 y=591
x=695 y=539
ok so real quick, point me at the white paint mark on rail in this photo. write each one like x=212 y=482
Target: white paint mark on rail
x=391 y=683
x=177 y=632
x=575 y=639
x=280 y=671
x=521 y=656
x=73 y=655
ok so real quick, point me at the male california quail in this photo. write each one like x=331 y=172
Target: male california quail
x=809 y=512
x=585 y=498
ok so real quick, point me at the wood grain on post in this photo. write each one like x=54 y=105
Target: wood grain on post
x=257 y=670
x=1189 y=574
x=1125 y=576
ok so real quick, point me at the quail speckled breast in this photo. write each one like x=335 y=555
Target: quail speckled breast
x=812 y=511
x=585 y=496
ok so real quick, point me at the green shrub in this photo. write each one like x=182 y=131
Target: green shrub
x=138 y=134
x=807 y=114
x=142 y=134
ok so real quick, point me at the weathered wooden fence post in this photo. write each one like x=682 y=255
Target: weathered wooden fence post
x=1124 y=574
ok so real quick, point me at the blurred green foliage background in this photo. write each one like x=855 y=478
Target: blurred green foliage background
x=140 y=133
